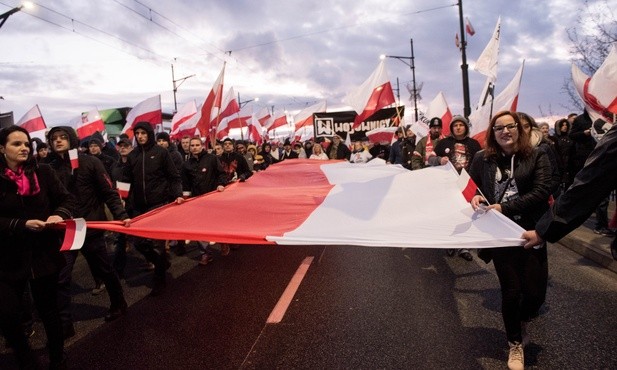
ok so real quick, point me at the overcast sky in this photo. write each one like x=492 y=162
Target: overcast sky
x=71 y=56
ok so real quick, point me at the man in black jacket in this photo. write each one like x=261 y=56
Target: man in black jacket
x=155 y=181
x=89 y=182
x=234 y=163
x=592 y=184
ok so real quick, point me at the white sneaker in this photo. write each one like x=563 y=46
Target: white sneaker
x=516 y=357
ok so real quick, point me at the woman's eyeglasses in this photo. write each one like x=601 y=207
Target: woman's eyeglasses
x=509 y=126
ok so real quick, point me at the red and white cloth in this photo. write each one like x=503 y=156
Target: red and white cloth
x=335 y=203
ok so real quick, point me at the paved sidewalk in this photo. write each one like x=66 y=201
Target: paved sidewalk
x=590 y=245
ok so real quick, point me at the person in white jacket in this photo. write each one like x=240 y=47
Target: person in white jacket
x=360 y=154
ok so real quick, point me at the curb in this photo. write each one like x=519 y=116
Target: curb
x=577 y=242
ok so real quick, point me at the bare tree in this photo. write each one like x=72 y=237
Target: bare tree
x=592 y=36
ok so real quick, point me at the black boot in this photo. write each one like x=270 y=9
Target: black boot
x=116 y=310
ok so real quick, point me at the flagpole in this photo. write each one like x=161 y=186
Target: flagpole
x=464 y=66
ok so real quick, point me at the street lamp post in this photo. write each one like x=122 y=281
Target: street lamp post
x=410 y=62
x=5 y=16
x=464 y=66
x=177 y=85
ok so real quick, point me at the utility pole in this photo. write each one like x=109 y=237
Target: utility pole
x=464 y=66
x=177 y=85
x=412 y=66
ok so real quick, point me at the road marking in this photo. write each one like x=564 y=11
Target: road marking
x=281 y=306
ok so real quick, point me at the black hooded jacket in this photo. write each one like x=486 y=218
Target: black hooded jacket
x=89 y=182
x=152 y=174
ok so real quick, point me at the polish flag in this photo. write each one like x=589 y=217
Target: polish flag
x=239 y=120
x=75 y=234
x=32 y=121
x=602 y=87
x=438 y=107
x=375 y=93
x=467 y=186
x=469 y=28
x=123 y=189
x=185 y=112
x=506 y=100
x=278 y=119
x=211 y=107
x=148 y=110
x=263 y=116
x=382 y=134
x=255 y=130
x=304 y=118
x=229 y=107
x=88 y=123
x=74 y=158
x=312 y=202
x=580 y=81
x=487 y=61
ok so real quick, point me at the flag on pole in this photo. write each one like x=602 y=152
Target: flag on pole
x=457 y=42
x=375 y=93
x=185 y=112
x=123 y=189
x=149 y=110
x=304 y=118
x=487 y=61
x=506 y=100
x=593 y=107
x=74 y=158
x=75 y=234
x=469 y=28
x=438 y=107
x=381 y=134
x=89 y=123
x=211 y=106
x=602 y=87
x=32 y=121
x=467 y=185
x=278 y=119
x=255 y=130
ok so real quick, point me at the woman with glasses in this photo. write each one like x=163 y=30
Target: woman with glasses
x=513 y=178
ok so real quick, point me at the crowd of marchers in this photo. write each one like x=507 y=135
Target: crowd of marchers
x=520 y=169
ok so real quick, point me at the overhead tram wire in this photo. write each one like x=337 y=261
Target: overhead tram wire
x=309 y=34
x=171 y=31
x=73 y=30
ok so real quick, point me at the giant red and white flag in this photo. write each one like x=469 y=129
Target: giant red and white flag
x=603 y=85
x=375 y=93
x=310 y=202
x=149 y=110
x=438 y=107
x=506 y=100
x=278 y=119
x=33 y=122
x=487 y=61
x=304 y=118
x=211 y=106
x=89 y=123
x=183 y=114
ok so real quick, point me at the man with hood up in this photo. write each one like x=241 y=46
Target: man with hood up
x=92 y=187
x=155 y=181
x=458 y=149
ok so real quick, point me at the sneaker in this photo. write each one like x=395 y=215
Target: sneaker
x=450 y=252
x=516 y=357
x=464 y=254
x=205 y=259
x=604 y=231
x=100 y=288
x=224 y=249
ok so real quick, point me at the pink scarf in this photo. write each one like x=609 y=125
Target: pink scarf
x=22 y=182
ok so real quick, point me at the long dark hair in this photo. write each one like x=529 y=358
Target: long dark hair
x=523 y=145
x=30 y=165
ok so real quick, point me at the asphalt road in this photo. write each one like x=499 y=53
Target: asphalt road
x=356 y=308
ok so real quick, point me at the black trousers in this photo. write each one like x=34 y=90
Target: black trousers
x=523 y=277
x=44 y=294
x=95 y=252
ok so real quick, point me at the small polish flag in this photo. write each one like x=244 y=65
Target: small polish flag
x=123 y=189
x=469 y=28
x=467 y=186
x=75 y=235
x=73 y=156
